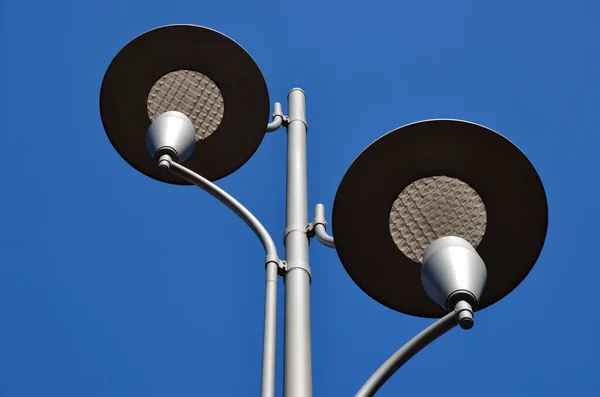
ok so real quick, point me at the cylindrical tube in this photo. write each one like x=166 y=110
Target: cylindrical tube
x=277 y=118
x=298 y=360
x=234 y=205
x=406 y=352
x=272 y=260
x=269 y=332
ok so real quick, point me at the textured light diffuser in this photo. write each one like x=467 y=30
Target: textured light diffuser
x=435 y=207
x=192 y=94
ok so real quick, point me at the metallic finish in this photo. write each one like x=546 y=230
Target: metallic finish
x=164 y=162
x=320 y=226
x=452 y=268
x=172 y=132
x=231 y=203
x=298 y=360
x=323 y=237
x=515 y=203
x=191 y=93
x=269 y=332
x=298 y=352
x=277 y=118
x=435 y=207
x=146 y=59
x=272 y=264
x=406 y=352
x=464 y=313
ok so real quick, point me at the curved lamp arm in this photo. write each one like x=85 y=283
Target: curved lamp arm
x=406 y=352
x=224 y=197
x=277 y=118
x=272 y=265
x=320 y=226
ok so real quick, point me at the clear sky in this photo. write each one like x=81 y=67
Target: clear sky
x=113 y=284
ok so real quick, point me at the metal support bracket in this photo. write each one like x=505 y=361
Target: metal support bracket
x=318 y=227
x=281 y=268
x=278 y=118
x=310 y=230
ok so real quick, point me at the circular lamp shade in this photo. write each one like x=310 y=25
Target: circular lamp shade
x=199 y=72
x=433 y=179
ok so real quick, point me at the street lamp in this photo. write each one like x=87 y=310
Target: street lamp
x=428 y=180
x=199 y=72
x=413 y=207
x=438 y=218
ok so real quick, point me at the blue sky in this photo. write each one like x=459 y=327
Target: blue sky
x=113 y=284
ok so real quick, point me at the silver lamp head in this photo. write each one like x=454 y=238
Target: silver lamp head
x=171 y=133
x=453 y=271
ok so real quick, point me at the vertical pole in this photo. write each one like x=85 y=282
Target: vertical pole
x=269 y=332
x=298 y=360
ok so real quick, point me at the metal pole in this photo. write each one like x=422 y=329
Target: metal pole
x=298 y=361
x=272 y=262
x=269 y=332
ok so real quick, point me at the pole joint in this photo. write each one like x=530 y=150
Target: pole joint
x=287 y=121
x=294 y=228
x=281 y=266
x=298 y=265
x=300 y=112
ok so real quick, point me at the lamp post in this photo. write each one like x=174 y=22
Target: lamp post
x=439 y=218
